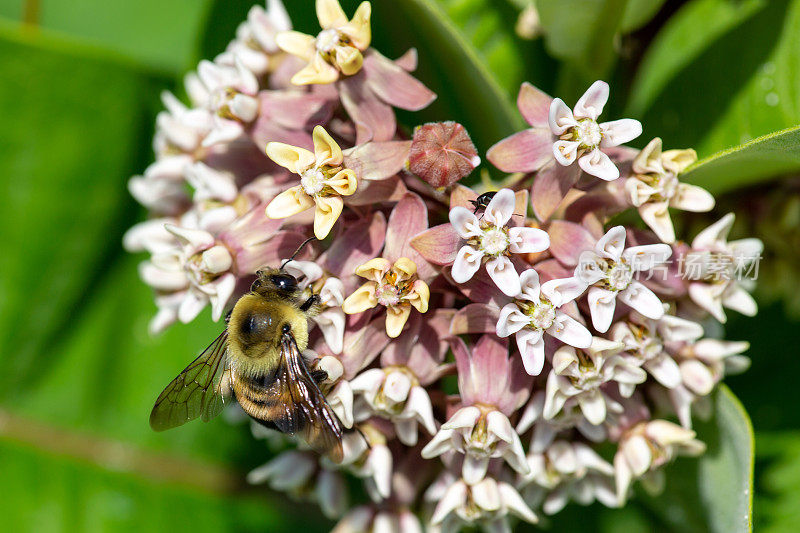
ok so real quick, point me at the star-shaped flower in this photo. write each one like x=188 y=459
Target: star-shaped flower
x=581 y=137
x=323 y=181
x=337 y=49
x=489 y=240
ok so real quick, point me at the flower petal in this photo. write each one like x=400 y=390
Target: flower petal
x=528 y=240
x=534 y=105
x=396 y=318
x=591 y=104
x=500 y=208
x=328 y=210
x=570 y=331
x=502 y=272
x=467 y=262
x=599 y=164
x=642 y=300
x=560 y=117
x=291 y=157
x=619 y=132
x=525 y=151
x=362 y=299
x=531 y=349
x=289 y=202
x=602 y=303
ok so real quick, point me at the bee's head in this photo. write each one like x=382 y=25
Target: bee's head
x=275 y=279
x=283 y=281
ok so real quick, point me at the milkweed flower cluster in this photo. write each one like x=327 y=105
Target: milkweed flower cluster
x=492 y=361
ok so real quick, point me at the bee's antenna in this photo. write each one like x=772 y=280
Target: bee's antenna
x=299 y=248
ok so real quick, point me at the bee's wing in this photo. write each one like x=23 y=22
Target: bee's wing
x=196 y=392
x=303 y=409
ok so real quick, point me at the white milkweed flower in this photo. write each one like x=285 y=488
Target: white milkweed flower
x=715 y=266
x=609 y=271
x=567 y=471
x=531 y=315
x=395 y=393
x=486 y=503
x=480 y=434
x=647 y=446
x=579 y=376
x=581 y=137
x=654 y=187
x=645 y=340
x=489 y=240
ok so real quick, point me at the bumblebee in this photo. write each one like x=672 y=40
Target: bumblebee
x=259 y=360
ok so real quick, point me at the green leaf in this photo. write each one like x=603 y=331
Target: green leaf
x=750 y=163
x=451 y=66
x=159 y=33
x=70 y=141
x=778 y=481
x=581 y=32
x=720 y=74
x=638 y=13
x=51 y=491
x=680 y=42
x=725 y=471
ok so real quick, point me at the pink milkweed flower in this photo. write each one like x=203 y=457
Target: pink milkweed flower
x=717 y=270
x=330 y=290
x=396 y=390
x=232 y=99
x=581 y=137
x=255 y=44
x=579 y=376
x=608 y=272
x=646 y=447
x=567 y=471
x=337 y=49
x=653 y=187
x=298 y=473
x=367 y=456
x=546 y=429
x=487 y=503
x=531 y=315
x=645 y=341
x=492 y=387
x=323 y=181
x=198 y=268
x=702 y=365
x=490 y=241
x=375 y=519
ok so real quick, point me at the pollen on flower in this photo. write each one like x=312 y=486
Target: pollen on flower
x=313 y=181
x=588 y=133
x=494 y=240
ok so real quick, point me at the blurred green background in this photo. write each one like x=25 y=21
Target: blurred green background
x=79 y=87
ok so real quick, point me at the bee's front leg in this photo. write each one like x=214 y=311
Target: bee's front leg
x=311 y=306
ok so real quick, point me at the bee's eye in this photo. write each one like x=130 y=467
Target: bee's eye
x=286 y=328
x=284 y=282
